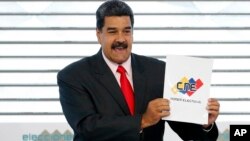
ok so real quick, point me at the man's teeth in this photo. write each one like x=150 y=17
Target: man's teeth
x=120 y=47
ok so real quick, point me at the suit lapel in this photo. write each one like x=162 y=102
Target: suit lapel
x=139 y=82
x=108 y=80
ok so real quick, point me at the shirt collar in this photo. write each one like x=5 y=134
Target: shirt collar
x=113 y=66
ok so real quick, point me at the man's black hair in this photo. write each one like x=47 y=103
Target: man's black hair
x=113 y=8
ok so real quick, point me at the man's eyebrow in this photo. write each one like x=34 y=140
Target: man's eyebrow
x=111 y=28
x=129 y=27
x=114 y=28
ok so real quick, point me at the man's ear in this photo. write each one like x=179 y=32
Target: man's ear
x=98 y=35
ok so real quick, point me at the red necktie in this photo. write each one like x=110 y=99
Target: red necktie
x=126 y=89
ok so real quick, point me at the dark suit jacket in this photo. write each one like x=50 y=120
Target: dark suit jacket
x=94 y=106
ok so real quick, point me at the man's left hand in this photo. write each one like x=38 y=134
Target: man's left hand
x=213 y=108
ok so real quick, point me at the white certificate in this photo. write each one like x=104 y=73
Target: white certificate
x=187 y=86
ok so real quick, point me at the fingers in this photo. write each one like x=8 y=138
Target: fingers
x=213 y=108
x=160 y=101
x=213 y=105
x=213 y=101
x=164 y=114
x=160 y=105
x=156 y=109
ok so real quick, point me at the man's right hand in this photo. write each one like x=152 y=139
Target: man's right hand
x=157 y=109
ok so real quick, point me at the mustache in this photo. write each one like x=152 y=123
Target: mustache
x=119 y=44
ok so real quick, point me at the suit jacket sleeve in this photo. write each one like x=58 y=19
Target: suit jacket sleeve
x=188 y=131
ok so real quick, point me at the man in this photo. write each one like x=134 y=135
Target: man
x=92 y=96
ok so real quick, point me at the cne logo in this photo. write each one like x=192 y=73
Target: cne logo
x=187 y=86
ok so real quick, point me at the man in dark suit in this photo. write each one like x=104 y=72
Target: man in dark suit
x=93 y=102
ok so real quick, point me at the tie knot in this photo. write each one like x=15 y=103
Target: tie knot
x=121 y=69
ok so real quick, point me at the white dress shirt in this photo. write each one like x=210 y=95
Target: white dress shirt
x=113 y=66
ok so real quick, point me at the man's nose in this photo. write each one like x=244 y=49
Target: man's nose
x=120 y=38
